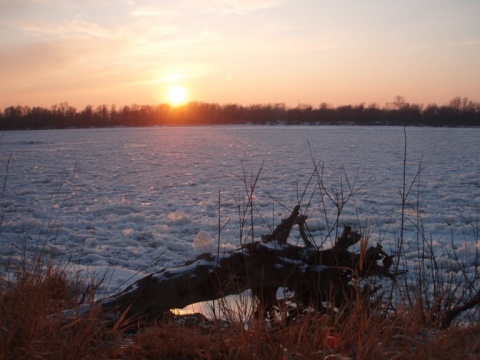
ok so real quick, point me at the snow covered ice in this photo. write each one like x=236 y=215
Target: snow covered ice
x=136 y=200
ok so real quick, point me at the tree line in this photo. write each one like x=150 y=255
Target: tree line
x=458 y=112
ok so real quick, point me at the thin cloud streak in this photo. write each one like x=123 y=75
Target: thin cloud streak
x=242 y=7
x=71 y=29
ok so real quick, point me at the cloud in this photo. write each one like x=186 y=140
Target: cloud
x=32 y=58
x=150 y=11
x=181 y=46
x=242 y=7
x=72 y=59
x=9 y=7
x=69 y=29
x=472 y=42
x=76 y=50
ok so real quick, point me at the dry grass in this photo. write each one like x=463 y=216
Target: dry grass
x=31 y=293
x=28 y=333
x=311 y=337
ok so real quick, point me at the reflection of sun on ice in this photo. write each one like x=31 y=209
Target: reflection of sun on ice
x=177 y=95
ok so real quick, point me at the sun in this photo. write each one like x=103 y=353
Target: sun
x=177 y=95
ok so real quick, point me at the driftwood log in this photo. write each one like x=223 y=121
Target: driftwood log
x=314 y=275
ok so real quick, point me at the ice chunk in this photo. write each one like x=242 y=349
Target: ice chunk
x=203 y=242
x=179 y=218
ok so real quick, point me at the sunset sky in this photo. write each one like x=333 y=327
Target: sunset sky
x=92 y=52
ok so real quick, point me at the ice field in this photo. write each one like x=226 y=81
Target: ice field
x=135 y=200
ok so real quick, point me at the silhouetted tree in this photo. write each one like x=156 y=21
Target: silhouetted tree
x=459 y=112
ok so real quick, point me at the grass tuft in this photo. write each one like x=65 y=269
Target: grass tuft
x=28 y=295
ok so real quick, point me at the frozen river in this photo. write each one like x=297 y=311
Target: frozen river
x=136 y=198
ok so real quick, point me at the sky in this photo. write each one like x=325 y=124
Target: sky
x=346 y=52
